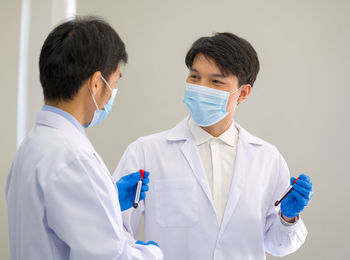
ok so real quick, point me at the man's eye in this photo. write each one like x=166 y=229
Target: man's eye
x=194 y=77
x=215 y=81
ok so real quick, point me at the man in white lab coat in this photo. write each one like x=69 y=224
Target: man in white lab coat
x=62 y=200
x=214 y=185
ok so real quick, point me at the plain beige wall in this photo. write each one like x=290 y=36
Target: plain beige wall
x=10 y=12
x=299 y=102
x=43 y=14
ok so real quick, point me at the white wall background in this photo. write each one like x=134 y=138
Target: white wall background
x=9 y=45
x=299 y=102
x=27 y=22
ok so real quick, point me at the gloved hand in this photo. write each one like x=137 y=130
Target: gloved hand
x=298 y=198
x=127 y=189
x=148 y=243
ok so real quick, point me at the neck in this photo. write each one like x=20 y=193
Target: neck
x=220 y=127
x=71 y=107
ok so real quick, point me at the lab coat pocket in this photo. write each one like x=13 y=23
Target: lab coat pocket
x=176 y=203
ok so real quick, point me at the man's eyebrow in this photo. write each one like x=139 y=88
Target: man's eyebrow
x=218 y=75
x=194 y=70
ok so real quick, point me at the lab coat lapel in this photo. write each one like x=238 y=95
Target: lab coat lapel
x=190 y=152
x=244 y=158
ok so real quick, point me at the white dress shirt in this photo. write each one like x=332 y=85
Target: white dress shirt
x=218 y=156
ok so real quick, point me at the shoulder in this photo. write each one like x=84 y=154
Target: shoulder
x=265 y=153
x=148 y=142
x=59 y=149
x=156 y=137
x=179 y=132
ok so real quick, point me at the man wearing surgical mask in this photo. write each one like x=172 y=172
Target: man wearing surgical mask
x=214 y=184
x=62 y=201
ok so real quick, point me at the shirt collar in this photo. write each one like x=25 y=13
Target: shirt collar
x=66 y=115
x=230 y=135
x=200 y=136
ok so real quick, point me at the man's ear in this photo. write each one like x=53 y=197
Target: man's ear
x=245 y=92
x=95 y=82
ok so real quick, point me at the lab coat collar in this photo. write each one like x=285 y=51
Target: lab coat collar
x=54 y=120
x=66 y=115
x=182 y=132
x=247 y=137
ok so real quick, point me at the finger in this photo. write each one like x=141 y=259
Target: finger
x=146 y=174
x=302 y=191
x=299 y=197
x=145 y=180
x=142 y=195
x=304 y=178
x=144 y=188
x=305 y=184
x=288 y=199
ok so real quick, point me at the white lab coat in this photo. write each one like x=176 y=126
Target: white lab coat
x=179 y=212
x=62 y=201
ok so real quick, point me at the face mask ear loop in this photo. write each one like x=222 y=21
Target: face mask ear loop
x=93 y=98
x=231 y=93
x=106 y=83
x=238 y=97
x=234 y=93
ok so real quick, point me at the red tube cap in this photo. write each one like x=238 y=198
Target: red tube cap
x=142 y=172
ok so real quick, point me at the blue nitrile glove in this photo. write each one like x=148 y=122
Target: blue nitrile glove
x=148 y=243
x=127 y=189
x=299 y=197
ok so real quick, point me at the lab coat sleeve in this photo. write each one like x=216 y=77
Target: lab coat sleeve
x=281 y=239
x=132 y=160
x=82 y=210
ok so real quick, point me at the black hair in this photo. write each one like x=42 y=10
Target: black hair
x=232 y=54
x=74 y=51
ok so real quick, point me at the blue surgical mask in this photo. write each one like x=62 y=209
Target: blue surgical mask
x=101 y=114
x=207 y=106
